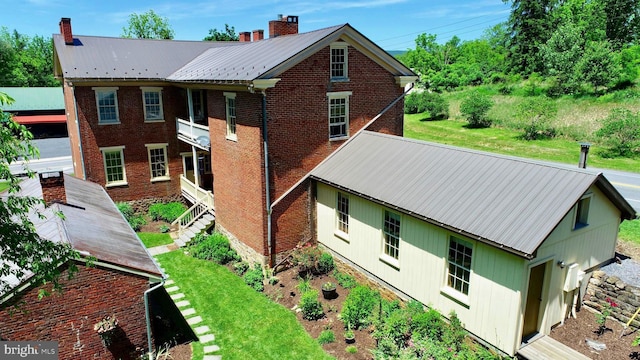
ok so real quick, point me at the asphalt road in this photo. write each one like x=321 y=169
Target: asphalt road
x=628 y=184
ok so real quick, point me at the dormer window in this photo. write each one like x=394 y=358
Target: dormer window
x=339 y=64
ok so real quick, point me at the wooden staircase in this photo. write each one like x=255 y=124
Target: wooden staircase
x=196 y=220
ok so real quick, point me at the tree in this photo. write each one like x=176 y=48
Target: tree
x=561 y=53
x=229 y=34
x=22 y=251
x=148 y=25
x=621 y=133
x=622 y=21
x=25 y=61
x=536 y=114
x=598 y=66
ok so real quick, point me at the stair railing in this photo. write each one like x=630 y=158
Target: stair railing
x=191 y=215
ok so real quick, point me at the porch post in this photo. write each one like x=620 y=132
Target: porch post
x=195 y=170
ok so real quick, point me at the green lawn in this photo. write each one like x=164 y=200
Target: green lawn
x=154 y=239
x=506 y=141
x=246 y=324
x=630 y=231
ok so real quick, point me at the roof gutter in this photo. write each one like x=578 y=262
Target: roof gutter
x=308 y=174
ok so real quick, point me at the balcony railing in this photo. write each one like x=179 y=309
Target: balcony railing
x=194 y=134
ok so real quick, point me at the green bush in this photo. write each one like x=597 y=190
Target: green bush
x=474 y=108
x=536 y=117
x=427 y=101
x=255 y=278
x=326 y=337
x=325 y=263
x=240 y=267
x=214 y=247
x=454 y=334
x=428 y=324
x=136 y=221
x=310 y=306
x=351 y=349
x=620 y=132
x=358 y=307
x=167 y=212
x=394 y=327
x=345 y=280
x=304 y=285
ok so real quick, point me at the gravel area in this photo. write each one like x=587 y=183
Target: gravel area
x=628 y=271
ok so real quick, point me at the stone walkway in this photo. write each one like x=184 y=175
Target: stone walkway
x=201 y=330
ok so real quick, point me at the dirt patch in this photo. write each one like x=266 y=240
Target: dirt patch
x=629 y=249
x=286 y=294
x=178 y=352
x=575 y=332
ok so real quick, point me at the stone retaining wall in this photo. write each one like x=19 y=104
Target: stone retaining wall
x=602 y=287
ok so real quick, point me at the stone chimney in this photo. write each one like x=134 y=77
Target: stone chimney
x=258 y=35
x=65 y=30
x=284 y=25
x=245 y=36
x=53 y=187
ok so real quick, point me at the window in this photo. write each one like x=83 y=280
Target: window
x=339 y=61
x=582 y=212
x=231 y=115
x=197 y=99
x=460 y=253
x=152 y=99
x=342 y=211
x=338 y=115
x=158 y=161
x=107 y=104
x=114 y=170
x=391 y=234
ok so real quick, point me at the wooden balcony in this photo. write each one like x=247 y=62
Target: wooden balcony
x=193 y=134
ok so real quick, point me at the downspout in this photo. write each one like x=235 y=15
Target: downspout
x=75 y=112
x=148 y=315
x=306 y=176
x=265 y=145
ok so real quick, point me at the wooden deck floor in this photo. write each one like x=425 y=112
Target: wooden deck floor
x=546 y=348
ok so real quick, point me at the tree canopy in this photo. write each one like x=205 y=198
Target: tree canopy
x=25 y=61
x=229 y=34
x=22 y=251
x=148 y=25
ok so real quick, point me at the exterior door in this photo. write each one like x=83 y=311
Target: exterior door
x=534 y=302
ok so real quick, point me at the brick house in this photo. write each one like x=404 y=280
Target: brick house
x=122 y=276
x=153 y=119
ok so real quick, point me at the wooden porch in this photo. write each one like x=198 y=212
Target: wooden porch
x=546 y=348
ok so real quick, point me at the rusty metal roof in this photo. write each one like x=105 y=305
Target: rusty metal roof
x=508 y=202
x=104 y=58
x=92 y=224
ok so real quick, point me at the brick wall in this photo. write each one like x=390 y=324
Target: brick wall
x=133 y=133
x=69 y=317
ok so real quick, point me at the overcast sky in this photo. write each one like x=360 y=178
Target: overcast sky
x=392 y=24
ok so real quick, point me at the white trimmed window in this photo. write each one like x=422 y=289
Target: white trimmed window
x=338 y=115
x=391 y=233
x=459 y=259
x=342 y=213
x=582 y=212
x=339 y=64
x=158 y=163
x=152 y=100
x=114 y=170
x=230 y=100
x=107 y=105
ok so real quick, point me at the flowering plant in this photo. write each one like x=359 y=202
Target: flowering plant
x=106 y=329
x=601 y=318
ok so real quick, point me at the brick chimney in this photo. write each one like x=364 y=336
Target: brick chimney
x=285 y=25
x=53 y=187
x=245 y=36
x=258 y=35
x=65 y=30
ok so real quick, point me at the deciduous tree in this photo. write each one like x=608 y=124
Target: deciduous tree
x=148 y=25
x=229 y=34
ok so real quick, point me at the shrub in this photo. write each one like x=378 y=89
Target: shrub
x=325 y=263
x=310 y=306
x=255 y=278
x=326 y=337
x=136 y=221
x=428 y=324
x=427 y=101
x=395 y=328
x=358 y=307
x=241 y=267
x=536 y=116
x=304 y=285
x=351 y=349
x=167 y=212
x=345 y=280
x=620 y=132
x=214 y=247
x=454 y=334
x=475 y=108
x=164 y=228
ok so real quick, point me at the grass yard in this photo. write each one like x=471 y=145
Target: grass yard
x=506 y=141
x=630 y=231
x=246 y=324
x=154 y=239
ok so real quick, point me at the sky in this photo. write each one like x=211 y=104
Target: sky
x=392 y=24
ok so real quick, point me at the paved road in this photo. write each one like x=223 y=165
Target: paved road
x=628 y=184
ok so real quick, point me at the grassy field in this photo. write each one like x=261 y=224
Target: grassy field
x=154 y=239
x=246 y=324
